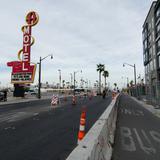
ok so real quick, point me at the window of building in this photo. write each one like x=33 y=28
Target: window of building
x=158 y=30
x=152 y=22
x=153 y=36
x=151 y=65
x=147 y=79
x=158 y=61
x=143 y=36
x=158 y=12
x=145 y=70
x=145 y=31
x=146 y=56
x=158 y=43
x=149 y=26
x=150 y=39
x=158 y=46
x=153 y=50
x=145 y=44
x=154 y=64
x=150 y=53
x=158 y=27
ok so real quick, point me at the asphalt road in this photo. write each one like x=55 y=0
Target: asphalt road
x=137 y=134
x=35 y=131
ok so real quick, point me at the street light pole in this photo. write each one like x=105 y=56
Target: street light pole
x=127 y=80
x=134 y=66
x=39 y=79
x=135 y=83
x=59 y=78
x=135 y=74
x=71 y=79
x=74 y=77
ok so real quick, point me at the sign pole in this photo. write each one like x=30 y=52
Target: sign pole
x=23 y=71
x=39 y=81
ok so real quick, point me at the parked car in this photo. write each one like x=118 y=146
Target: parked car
x=30 y=92
x=33 y=92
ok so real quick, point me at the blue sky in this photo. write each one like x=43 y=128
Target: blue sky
x=79 y=34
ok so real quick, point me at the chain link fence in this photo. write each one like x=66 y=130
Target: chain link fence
x=149 y=93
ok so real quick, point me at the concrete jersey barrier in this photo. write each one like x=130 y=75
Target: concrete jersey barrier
x=97 y=144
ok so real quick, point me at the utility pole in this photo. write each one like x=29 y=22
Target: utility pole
x=71 y=79
x=39 y=78
x=74 y=76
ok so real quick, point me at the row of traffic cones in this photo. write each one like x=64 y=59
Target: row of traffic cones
x=55 y=99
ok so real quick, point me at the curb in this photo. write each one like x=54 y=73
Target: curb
x=149 y=107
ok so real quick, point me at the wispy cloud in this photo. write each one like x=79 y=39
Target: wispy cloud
x=80 y=34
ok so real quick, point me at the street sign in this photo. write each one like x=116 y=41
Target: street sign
x=23 y=71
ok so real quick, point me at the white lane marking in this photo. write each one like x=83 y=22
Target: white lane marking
x=127 y=141
x=17 y=116
x=127 y=111
x=149 y=149
x=139 y=113
x=36 y=119
x=155 y=135
x=13 y=128
x=35 y=114
x=132 y=112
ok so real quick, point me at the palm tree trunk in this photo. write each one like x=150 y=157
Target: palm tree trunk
x=99 y=82
x=105 y=83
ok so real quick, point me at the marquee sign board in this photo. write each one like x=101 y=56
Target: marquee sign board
x=23 y=71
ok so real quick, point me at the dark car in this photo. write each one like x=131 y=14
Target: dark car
x=2 y=96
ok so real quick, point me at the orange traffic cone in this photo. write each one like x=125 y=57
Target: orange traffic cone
x=81 y=132
x=113 y=95
x=74 y=100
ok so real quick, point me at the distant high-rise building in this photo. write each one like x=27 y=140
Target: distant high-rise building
x=151 y=51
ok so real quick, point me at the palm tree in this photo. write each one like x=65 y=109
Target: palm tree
x=105 y=75
x=131 y=83
x=63 y=83
x=115 y=84
x=100 y=69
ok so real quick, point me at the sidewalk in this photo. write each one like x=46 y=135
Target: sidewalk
x=13 y=100
x=152 y=109
x=138 y=131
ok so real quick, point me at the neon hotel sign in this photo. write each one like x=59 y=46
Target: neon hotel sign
x=23 y=71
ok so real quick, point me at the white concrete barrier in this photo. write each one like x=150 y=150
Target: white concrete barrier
x=97 y=144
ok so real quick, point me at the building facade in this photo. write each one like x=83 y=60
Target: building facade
x=151 y=52
x=157 y=31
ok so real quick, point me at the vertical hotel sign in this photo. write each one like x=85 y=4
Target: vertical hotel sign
x=23 y=71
